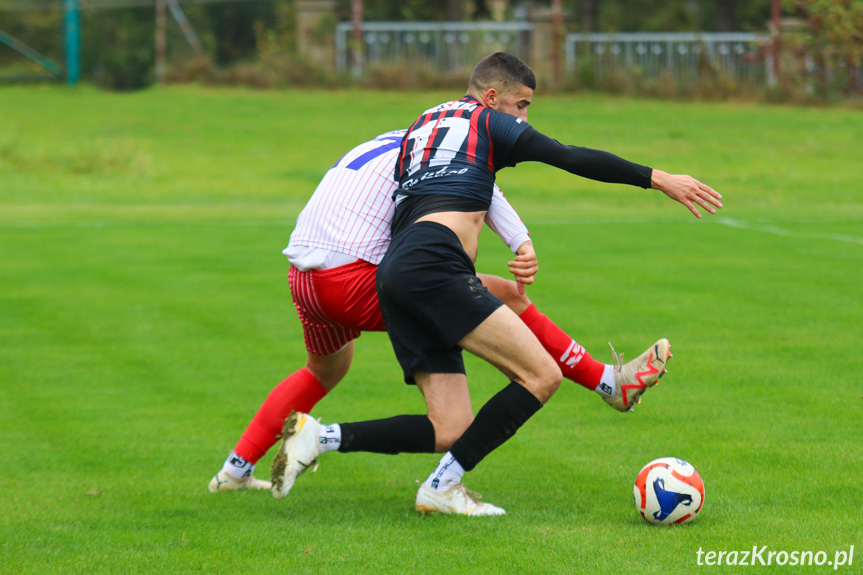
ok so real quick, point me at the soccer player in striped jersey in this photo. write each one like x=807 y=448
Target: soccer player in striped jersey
x=341 y=236
x=434 y=305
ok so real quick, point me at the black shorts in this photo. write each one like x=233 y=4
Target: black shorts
x=430 y=298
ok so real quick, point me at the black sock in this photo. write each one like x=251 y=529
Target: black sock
x=400 y=434
x=497 y=421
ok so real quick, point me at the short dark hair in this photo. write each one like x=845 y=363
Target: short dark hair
x=502 y=70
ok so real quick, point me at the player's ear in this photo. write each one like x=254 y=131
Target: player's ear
x=492 y=98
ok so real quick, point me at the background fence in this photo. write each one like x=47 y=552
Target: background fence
x=683 y=57
x=681 y=63
x=447 y=47
x=438 y=46
x=124 y=45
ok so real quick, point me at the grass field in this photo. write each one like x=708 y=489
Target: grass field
x=145 y=315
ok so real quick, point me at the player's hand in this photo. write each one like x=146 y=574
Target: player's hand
x=524 y=266
x=688 y=191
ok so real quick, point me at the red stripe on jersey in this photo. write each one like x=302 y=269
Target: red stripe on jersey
x=473 y=136
x=490 y=146
x=430 y=146
x=400 y=164
x=427 y=150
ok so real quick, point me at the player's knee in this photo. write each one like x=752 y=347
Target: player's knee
x=328 y=375
x=517 y=302
x=547 y=381
x=329 y=370
x=449 y=430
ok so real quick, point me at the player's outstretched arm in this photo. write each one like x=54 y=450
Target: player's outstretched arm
x=606 y=167
x=687 y=190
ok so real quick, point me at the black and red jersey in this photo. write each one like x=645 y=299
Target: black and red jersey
x=455 y=149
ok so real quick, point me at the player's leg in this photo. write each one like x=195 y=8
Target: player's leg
x=573 y=360
x=503 y=340
x=420 y=352
x=449 y=414
x=346 y=293
x=448 y=402
x=620 y=386
x=304 y=439
x=299 y=392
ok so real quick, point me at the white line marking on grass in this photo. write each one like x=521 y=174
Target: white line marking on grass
x=287 y=223
x=769 y=229
x=730 y=222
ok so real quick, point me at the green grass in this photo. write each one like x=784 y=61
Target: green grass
x=145 y=315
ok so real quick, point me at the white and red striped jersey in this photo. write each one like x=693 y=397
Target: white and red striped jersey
x=348 y=216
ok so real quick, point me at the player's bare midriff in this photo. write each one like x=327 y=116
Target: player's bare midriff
x=465 y=225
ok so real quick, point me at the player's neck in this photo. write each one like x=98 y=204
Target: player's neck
x=477 y=97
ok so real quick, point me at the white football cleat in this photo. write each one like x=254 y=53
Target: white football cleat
x=635 y=377
x=299 y=452
x=225 y=482
x=457 y=500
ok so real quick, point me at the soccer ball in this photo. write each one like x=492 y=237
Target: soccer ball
x=668 y=490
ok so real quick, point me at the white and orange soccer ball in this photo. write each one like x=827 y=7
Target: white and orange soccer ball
x=668 y=490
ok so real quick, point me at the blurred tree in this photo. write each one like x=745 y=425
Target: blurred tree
x=734 y=15
x=837 y=27
x=836 y=33
x=411 y=10
x=588 y=11
x=233 y=28
x=38 y=29
x=117 y=47
x=481 y=10
x=421 y=10
x=670 y=16
x=285 y=25
x=454 y=10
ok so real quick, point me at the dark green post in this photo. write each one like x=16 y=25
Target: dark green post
x=73 y=42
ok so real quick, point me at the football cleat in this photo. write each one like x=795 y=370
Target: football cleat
x=225 y=482
x=457 y=500
x=635 y=377
x=297 y=454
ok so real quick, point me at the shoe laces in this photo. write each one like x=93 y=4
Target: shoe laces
x=618 y=359
x=469 y=493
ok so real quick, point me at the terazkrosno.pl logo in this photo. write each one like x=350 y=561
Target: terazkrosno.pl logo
x=764 y=556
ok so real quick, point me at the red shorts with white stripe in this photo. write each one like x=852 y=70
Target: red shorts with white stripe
x=336 y=305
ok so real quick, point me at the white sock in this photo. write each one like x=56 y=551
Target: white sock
x=330 y=437
x=447 y=474
x=237 y=467
x=607 y=383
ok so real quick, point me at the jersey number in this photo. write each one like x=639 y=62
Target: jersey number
x=455 y=131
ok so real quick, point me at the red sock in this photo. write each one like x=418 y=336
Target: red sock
x=299 y=392
x=574 y=361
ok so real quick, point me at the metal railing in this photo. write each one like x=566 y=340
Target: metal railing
x=438 y=46
x=683 y=57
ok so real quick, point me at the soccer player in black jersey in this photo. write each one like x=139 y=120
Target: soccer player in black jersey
x=433 y=304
